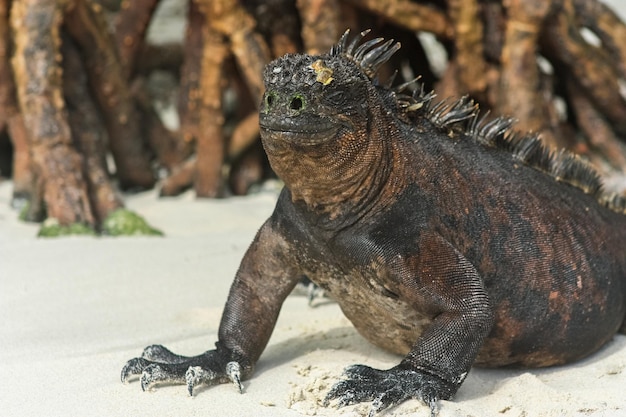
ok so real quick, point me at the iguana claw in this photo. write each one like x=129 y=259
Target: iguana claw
x=233 y=370
x=387 y=388
x=157 y=364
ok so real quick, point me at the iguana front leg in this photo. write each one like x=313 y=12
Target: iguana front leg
x=264 y=279
x=441 y=281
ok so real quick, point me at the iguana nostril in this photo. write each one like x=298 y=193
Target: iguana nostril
x=296 y=103
x=269 y=100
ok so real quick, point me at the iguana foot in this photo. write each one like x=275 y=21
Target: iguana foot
x=387 y=388
x=311 y=290
x=157 y=364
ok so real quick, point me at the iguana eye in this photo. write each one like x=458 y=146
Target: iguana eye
x=336 y=97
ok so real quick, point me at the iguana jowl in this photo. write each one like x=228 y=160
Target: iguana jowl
x=443 y=237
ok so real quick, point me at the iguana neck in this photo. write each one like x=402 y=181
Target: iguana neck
x=344 y=180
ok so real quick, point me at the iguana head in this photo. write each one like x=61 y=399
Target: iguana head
x=322 y=117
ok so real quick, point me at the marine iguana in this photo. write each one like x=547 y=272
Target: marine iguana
x=443 y=236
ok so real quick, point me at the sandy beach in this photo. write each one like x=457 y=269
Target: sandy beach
x=75 y=309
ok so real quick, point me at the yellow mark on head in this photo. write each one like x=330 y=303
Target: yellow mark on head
x=324 y=74
x=415 y=106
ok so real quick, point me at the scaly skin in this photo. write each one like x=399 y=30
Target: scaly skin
x=440 y=237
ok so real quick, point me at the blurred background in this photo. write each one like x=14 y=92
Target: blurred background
x=104 y=97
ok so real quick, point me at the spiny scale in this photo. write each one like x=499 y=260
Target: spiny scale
x=370 y=55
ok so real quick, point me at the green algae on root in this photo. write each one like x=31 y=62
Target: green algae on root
x=51 y=228
x=24 y=210
x=123 y=222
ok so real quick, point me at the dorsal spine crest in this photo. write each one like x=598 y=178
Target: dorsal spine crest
x=463 y=116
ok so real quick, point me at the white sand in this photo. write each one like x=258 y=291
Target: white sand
x=75 y=309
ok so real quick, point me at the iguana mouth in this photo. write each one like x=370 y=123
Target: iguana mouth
x=298 y=137
x=313 y=131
